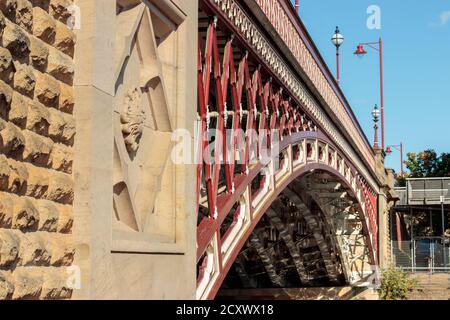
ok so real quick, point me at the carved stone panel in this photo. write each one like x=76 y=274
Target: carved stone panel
x=143 y=128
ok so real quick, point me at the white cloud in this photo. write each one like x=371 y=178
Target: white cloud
x=444 y=17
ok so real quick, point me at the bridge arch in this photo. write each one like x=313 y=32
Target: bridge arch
x=219 y=243
x=240 y=90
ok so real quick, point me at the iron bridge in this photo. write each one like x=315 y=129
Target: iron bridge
x=306 y=217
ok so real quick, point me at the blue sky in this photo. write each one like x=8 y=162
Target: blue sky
x=416 y=36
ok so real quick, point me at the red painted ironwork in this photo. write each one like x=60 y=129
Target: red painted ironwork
x=259 y=95
x=255 y=103
x=370 y=200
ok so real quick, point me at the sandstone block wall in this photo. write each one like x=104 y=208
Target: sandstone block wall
x=37 y=131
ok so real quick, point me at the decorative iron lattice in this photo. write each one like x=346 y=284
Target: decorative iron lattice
x=238 y=95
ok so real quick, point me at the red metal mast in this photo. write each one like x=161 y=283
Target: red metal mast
x=399 y=148
x=382 y=93
x=361 y=52
x=401 y=158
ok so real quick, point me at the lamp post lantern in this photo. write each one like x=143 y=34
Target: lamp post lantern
x=375 y=118
x=361 y=52
x=337 y=40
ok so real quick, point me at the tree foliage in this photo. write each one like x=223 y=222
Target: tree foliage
x=425 y=164
x=401 y=180
x=428 y=164
x=396 y=284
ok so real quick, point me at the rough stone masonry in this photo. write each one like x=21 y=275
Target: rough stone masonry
x=37 y=130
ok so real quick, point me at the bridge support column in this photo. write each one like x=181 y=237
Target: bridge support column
x=134 y=214
x=93 y=146
x=386 y=200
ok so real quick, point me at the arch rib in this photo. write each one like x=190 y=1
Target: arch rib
x=267 y=260
x=242 y=274
x=293 y=249
x=321 y=242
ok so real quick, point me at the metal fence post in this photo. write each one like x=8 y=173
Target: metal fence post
x=443 y=216
x=443 y=225
x=431 y=256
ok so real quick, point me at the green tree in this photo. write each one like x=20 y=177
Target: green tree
x=444 y=165
x=427 y=164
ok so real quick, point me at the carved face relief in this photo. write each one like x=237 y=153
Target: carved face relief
x=132 y=119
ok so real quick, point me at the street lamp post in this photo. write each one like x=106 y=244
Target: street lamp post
x=398 y=148
x=360 y=52
x=375 y=118
x=337 y=40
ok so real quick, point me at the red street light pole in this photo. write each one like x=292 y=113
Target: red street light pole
x=360 y=52
x=297 y=7
x=398 y=148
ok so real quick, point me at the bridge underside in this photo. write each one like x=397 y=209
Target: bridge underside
x=298 y=242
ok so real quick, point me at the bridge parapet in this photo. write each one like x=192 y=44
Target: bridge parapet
x=323 y=102
x=294 y=35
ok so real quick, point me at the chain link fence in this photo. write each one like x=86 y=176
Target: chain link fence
x=422 y=255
